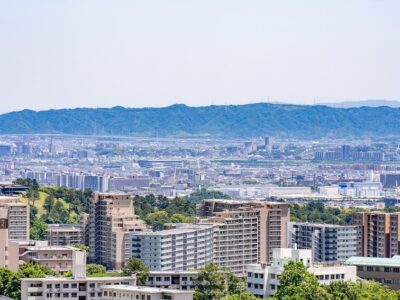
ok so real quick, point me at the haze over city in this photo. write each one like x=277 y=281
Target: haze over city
x=199 y=150
x=156 y=53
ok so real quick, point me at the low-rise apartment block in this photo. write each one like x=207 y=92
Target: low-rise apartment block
x=179 y=280
x=78 y=287
x=327 y=242
x=383 y=270
x=126 y=292
x=63 y=234
x=263 y=280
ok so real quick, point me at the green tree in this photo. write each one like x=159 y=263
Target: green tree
x=136 y=266
x=297 y=283
x=241 y=296
x=5 y=275
x=81 y=247
x=93 y=269
x=211 y=283
x=49 y=203
x=38 y=230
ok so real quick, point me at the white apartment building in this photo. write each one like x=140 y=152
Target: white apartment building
x=179 y=280
x=79 y=287
x=263 y=280
x=329 y=243
x=126 y=292
x=186 y=247
x=17 y=217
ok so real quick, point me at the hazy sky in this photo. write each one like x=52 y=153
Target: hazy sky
x=65 y=53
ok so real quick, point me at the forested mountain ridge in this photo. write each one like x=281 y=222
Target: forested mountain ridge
x=235 y=121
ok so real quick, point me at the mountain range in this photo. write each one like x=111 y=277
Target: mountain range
x=231 y=121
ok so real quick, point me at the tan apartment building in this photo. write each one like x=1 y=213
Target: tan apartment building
x=63 y=234
x=247 y=231
x=111 y=217
x=17 y=216
x=378 y=233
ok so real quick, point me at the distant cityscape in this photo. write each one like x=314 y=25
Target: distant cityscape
x=252 y=227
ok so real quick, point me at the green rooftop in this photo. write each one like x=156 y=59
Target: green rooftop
x=374 y=261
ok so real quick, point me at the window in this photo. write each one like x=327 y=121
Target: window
x=249 y=274
x=74 y=285
x=73 y=295
x=65 y=295
x=158 y=278
x=48 y=286
x=57 y=285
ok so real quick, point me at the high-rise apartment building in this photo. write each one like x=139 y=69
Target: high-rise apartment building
x=327 y=242
x=185 y=247
x=17 y=217
x=111 y=217
x=378 y=233
x=242 y=226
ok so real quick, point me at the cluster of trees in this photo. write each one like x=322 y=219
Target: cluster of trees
x=218 y=283
x=32 y=194
x=156 y=211
x=10 y=282
x=317 y=212
x=297 y=283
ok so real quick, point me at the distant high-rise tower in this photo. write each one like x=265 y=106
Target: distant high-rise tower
x=268 y=143
x=346 y=152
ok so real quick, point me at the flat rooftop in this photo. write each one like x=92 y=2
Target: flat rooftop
x=374 y=261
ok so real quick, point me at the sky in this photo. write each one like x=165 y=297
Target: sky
x=103 y=53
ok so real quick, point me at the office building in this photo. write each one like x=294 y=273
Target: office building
x=63 y=234
x=263 y=280
x=250 y=219
x=111 y=217
x=377 y=233
x=17 y=217
x=383 y=270
x=327 y=242
x=183 y=248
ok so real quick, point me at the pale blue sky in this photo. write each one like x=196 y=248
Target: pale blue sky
x=65 y=53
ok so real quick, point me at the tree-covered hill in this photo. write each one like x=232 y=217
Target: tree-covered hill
x=249 y=120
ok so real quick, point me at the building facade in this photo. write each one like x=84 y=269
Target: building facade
x=378 y=233
x=64 y=234
x=383 y=270
x=185 y=247
x=263 y=280
x=327 y=242
x=268 y=219
x=111 y=217
x=17 y=216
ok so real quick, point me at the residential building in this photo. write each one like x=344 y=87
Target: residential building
x=78 y=287
x=111 y=217
x=126 y=292
x=17 y=216
x=180 y=280
x=185 y=247
x=383 y=270
x=250 y=219
x=378 y=233
x=63 y=234
x=327 y=242
x=263 y=280
x=57 y=258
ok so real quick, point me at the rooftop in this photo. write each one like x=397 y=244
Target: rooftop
x=374 y=261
